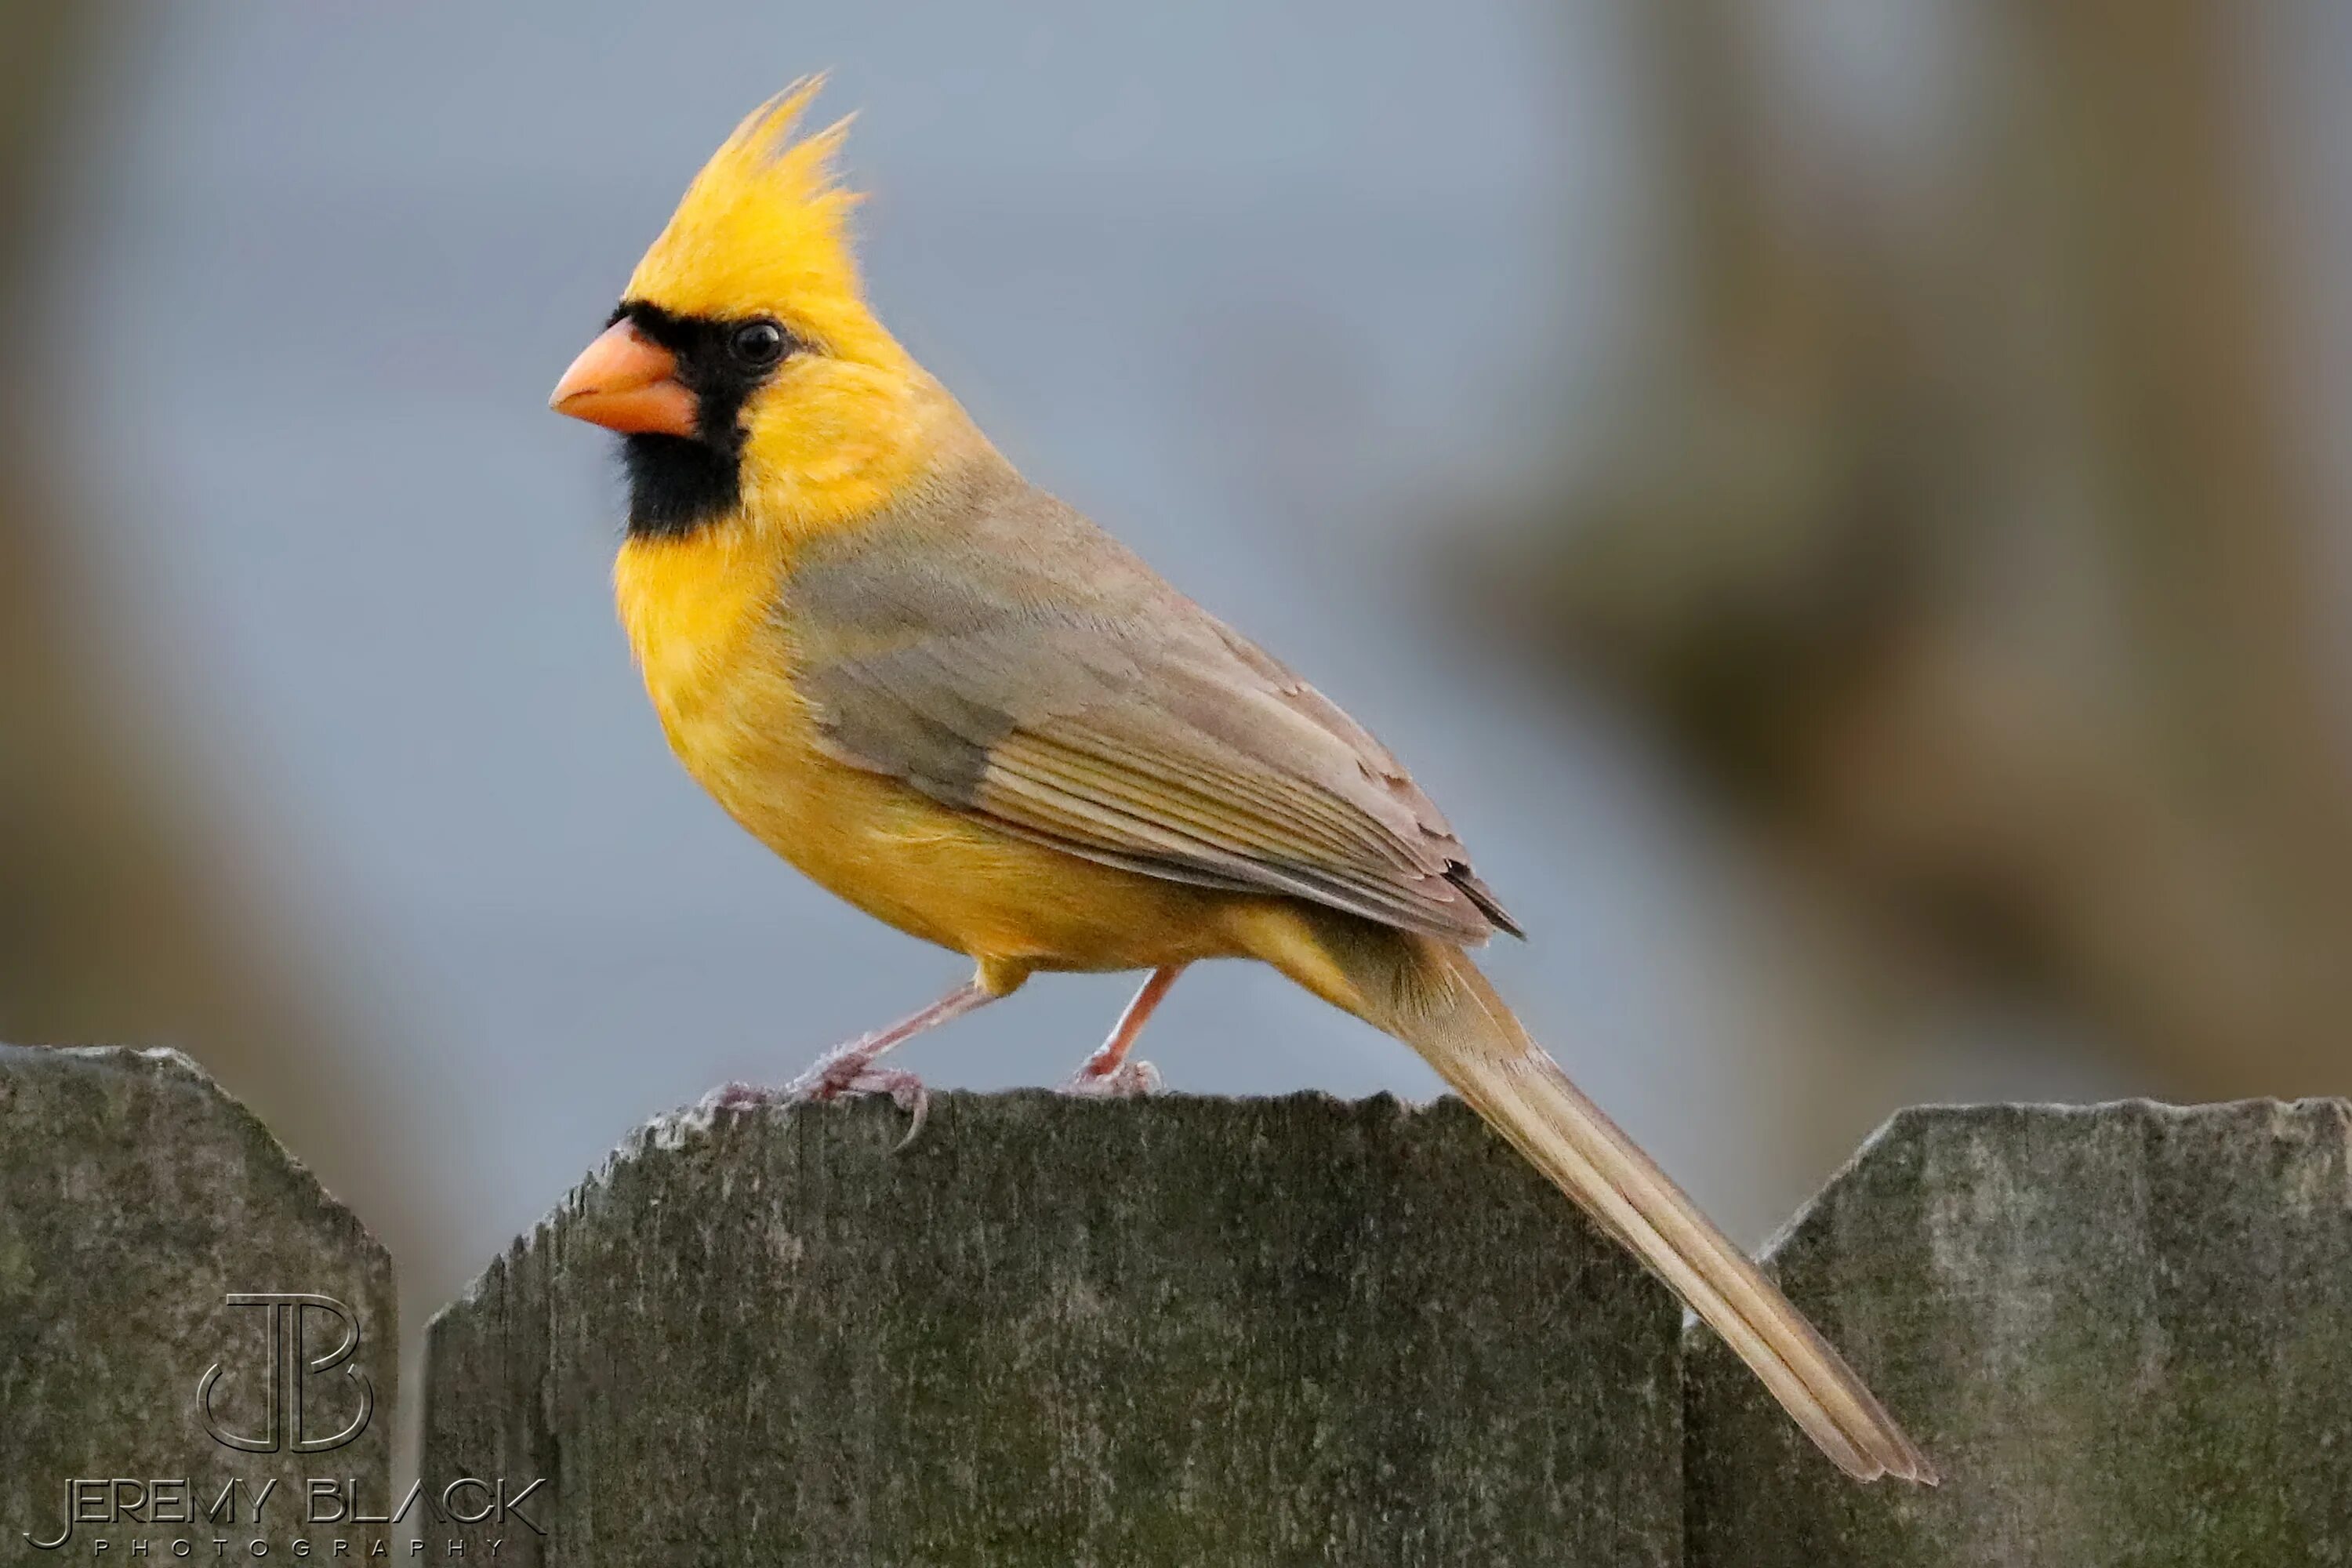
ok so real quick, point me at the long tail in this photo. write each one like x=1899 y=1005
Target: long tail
x=1430 y=994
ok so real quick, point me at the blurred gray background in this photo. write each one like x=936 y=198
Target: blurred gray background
x=1841 y=503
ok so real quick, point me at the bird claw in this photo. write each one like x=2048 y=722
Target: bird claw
x=849 y=1072
x=740 y=1096
x=1128 y=1080
x=844 y=1073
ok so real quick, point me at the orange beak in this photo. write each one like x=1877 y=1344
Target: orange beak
x=626 y=382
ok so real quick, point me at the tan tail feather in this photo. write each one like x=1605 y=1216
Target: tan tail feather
x=1454 y=1019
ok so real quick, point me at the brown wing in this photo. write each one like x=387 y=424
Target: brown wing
x=1001 y=654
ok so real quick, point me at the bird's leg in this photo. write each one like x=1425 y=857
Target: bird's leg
x=1107 y=1074
x=850 y=1069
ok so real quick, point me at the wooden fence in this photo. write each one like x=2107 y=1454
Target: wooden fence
x=1178 y=1332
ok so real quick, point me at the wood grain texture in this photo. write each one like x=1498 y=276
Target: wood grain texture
x=134 y=1197
x=2124 y=1332
x=1181 y=1331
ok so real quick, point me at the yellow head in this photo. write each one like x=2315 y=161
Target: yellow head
x=764 y=230
x=742 y=366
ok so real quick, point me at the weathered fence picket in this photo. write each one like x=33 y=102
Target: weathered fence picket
x=135 y=1200
x=1179 y=1332
x=2125 y=1331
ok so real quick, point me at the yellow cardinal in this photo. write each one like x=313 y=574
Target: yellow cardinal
x=960 y=706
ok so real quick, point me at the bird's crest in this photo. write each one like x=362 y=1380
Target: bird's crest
x=764 y=230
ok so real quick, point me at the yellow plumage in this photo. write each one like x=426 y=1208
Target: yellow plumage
x=767 y=221
x=762 y=230
x=953 y=701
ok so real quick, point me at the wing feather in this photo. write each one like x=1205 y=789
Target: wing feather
x=1023 y=666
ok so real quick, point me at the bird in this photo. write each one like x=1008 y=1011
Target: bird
x=955 y=703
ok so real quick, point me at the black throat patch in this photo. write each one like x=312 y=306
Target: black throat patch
x=679 y=484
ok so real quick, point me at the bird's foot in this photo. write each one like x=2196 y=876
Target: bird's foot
x=844 y=1073
x=741 y=1095
x=848 y=1071
x=1120 y=1080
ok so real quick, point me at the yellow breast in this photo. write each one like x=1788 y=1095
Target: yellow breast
x=718 y=664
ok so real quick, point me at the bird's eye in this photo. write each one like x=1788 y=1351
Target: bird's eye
x=758 y=344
